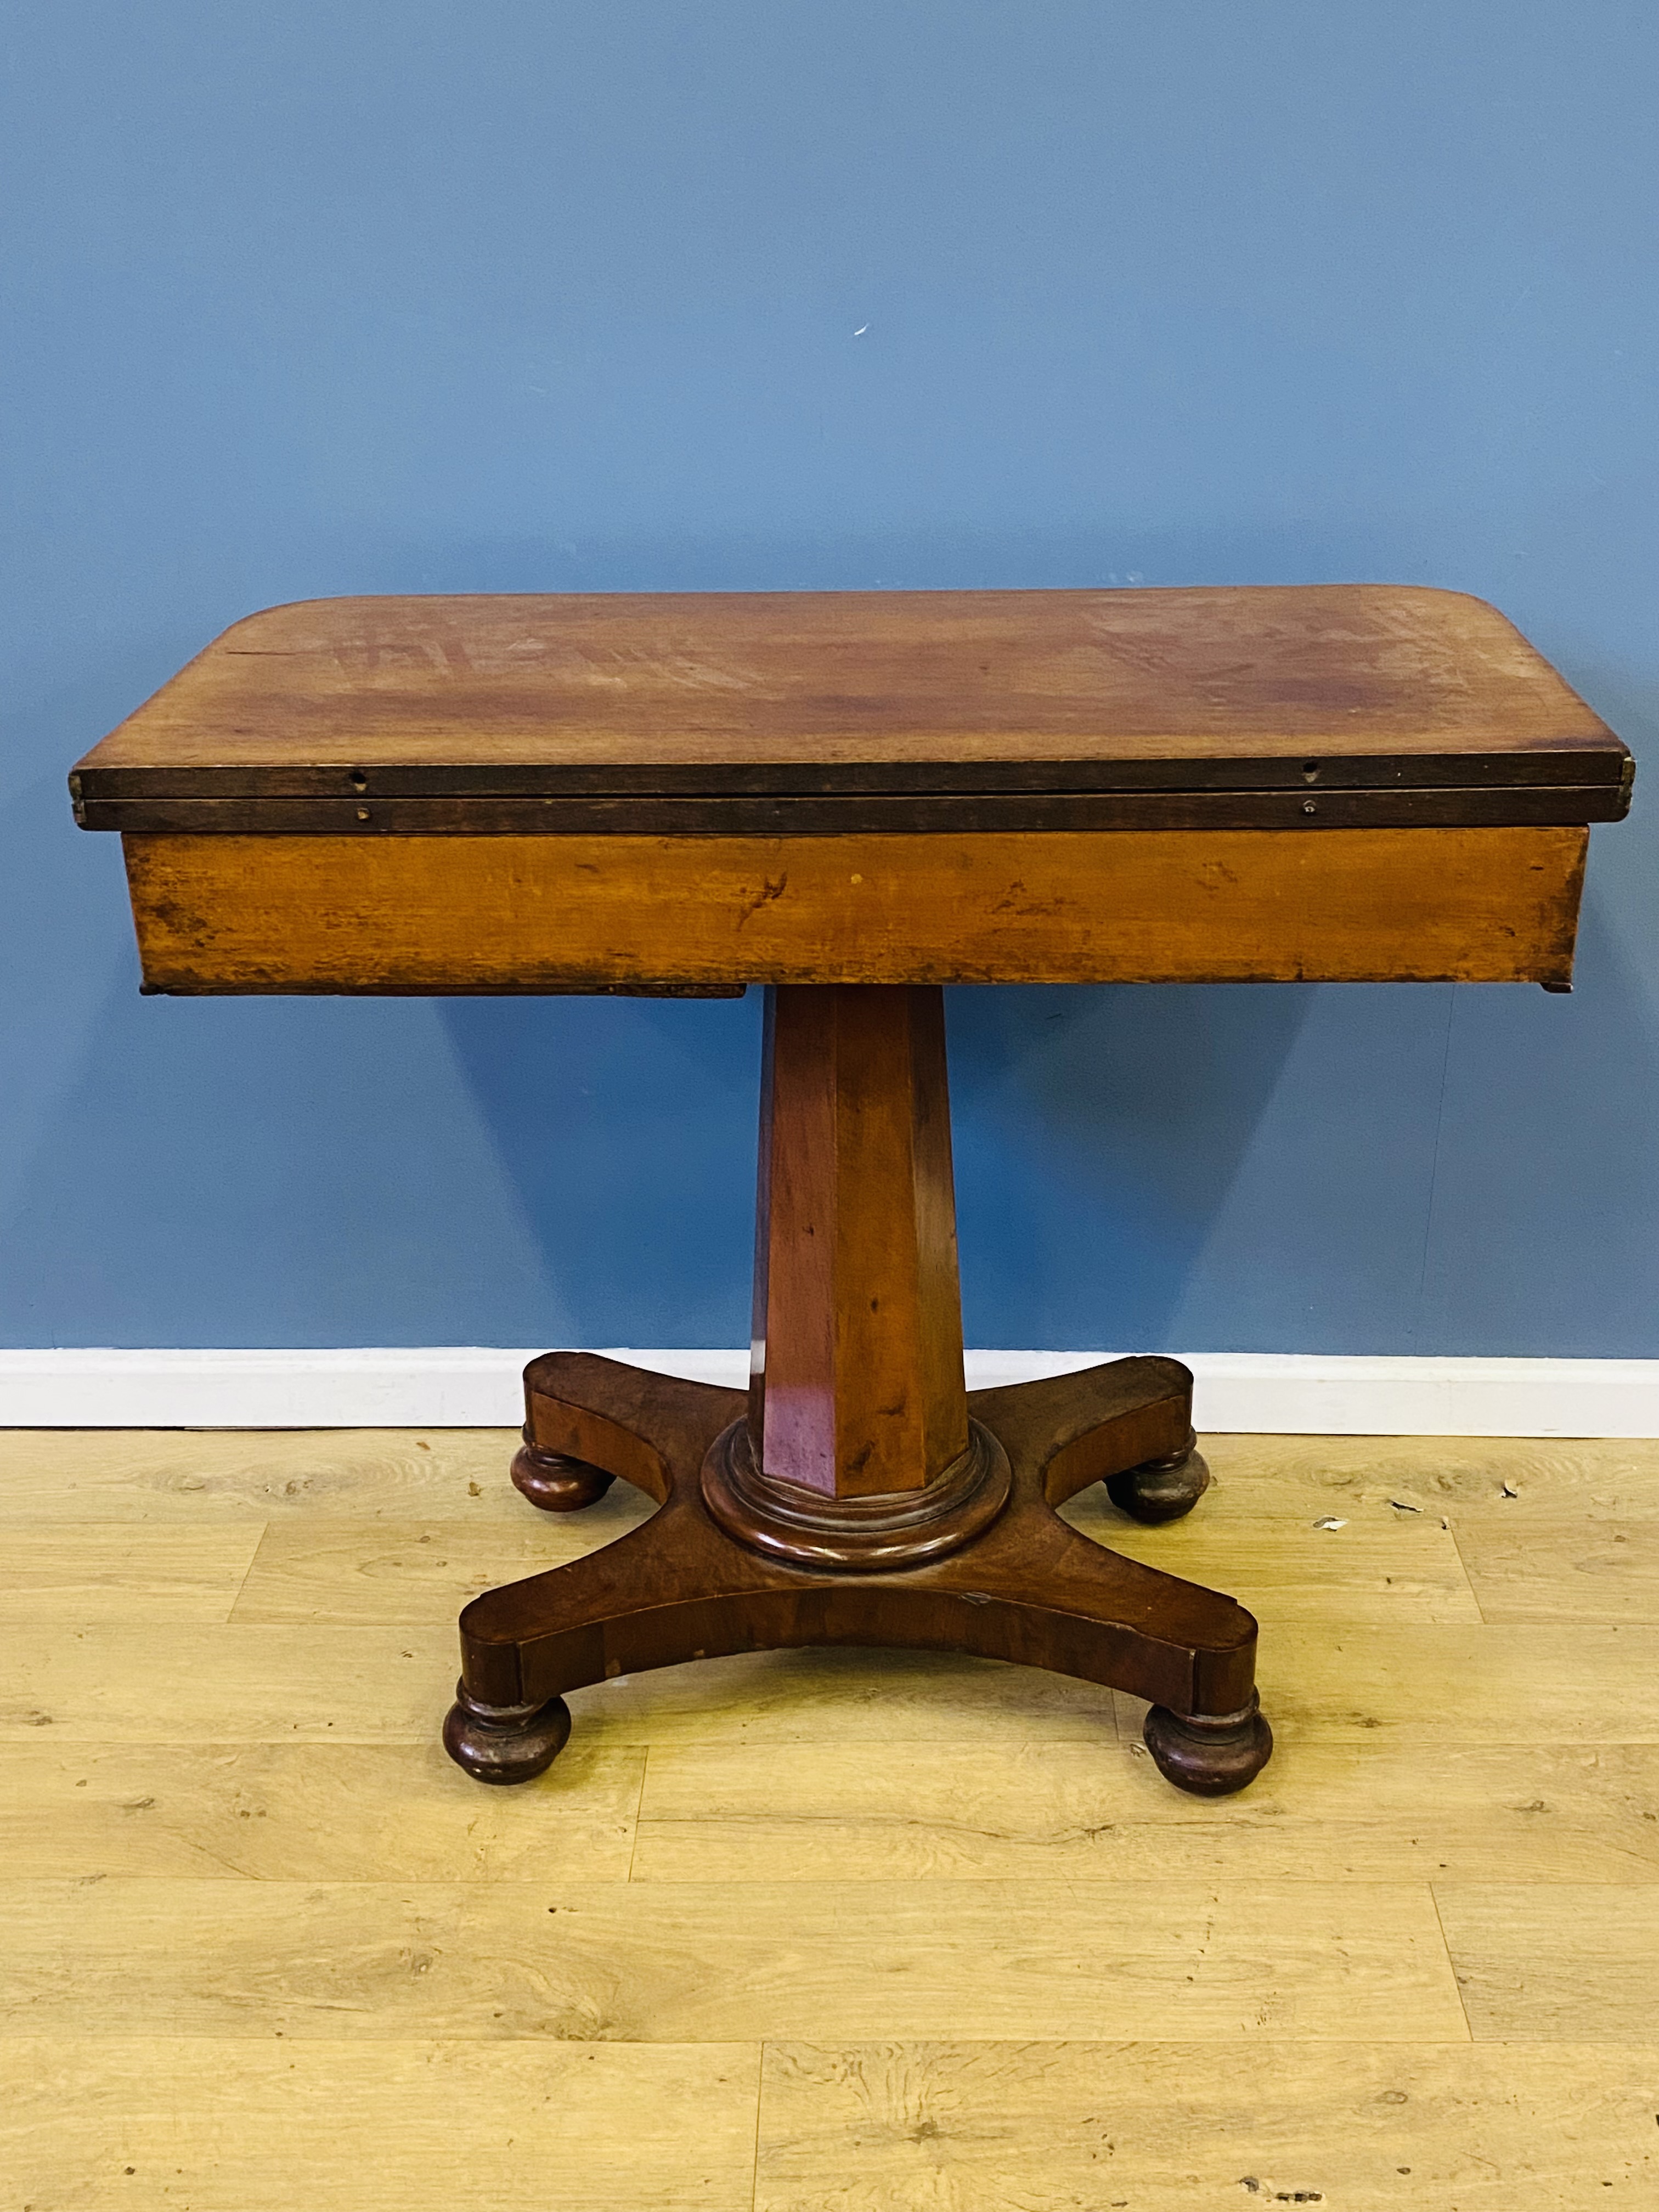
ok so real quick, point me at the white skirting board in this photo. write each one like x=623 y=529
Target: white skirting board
x=462 y=1387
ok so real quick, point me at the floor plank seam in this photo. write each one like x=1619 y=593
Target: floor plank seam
x=1468 y=1579
x=639 y=1811
x=760 y=2109
x=1451 y=1963
x=230 y=1621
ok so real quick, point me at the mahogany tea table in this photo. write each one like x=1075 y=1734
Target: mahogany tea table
x=855 y=798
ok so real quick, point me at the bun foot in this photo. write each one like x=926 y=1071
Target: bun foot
x=1209 y=1755
x=555 y=1483
x=505 y=1743
x=1162 y=1489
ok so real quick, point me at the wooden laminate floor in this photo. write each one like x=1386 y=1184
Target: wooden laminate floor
x=821 y=1932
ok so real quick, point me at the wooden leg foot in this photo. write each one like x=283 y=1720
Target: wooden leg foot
x=1024 y=1588
x=555 y=1482
x=1160 y=1489
x=505 y=1743
x=1209 y=1755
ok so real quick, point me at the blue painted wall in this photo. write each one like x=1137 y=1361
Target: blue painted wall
x=530 y=295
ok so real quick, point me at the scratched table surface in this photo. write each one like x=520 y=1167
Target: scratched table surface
x=1356 y=689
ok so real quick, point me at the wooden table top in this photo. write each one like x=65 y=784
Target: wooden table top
x=1327 y=706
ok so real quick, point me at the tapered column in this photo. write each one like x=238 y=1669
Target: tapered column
x=856 y=1383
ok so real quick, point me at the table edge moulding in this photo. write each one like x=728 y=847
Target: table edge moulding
x=853 y=798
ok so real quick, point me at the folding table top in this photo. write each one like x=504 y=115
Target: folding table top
x=1302 y=708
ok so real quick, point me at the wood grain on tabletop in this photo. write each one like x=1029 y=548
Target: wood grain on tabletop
x=845 y=679
x=257 y=913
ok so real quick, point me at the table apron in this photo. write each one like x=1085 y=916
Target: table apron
x=455 y=914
